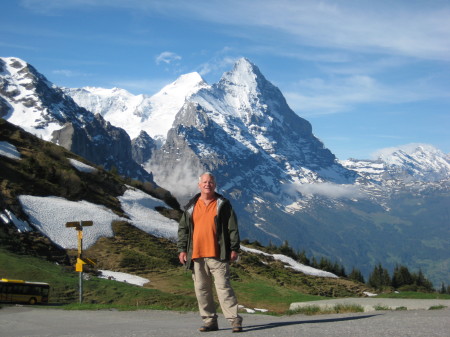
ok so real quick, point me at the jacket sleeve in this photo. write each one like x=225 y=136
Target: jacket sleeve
x=183 y=233
x=233 y=230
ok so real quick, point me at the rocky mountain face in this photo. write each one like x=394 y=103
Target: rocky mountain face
x=243 y=130
x=284 y=184
x=29 y=100
x=142 y=147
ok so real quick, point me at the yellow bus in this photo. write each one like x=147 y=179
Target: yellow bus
x=18 y=291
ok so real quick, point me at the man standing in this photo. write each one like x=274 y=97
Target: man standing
x=208 y=239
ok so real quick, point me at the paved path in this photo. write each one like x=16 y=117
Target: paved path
x=20 y=321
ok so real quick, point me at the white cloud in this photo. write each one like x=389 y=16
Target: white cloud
x=69 y=73
x=182 y=179
x=320 y=96
x=330 y=190
x=217 y=64
x=167 y=57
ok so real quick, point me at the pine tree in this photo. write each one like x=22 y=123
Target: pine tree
x=301 y=257
x=401 y=277
x=285 y=249
x=356 y=275
x=379 y=278
x=422 y=282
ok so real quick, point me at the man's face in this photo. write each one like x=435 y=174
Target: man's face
x=207 y=185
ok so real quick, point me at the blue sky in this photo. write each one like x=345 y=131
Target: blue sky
x=366 y=74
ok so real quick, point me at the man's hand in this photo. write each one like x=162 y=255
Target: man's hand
x=183 y=257
x=234 y=256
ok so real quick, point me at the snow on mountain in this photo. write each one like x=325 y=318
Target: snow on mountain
x=25 y=108
x=243 y=128
x=29 y=100
x=421 y=161
x=410 y=162
x=136 y=113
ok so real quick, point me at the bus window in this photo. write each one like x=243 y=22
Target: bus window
x=15 y=291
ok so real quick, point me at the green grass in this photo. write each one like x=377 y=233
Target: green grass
x=96 y=291
x=401 y=308
x=381 y=307
x=103 y=294
x=336 y=309
x=437 y=307
x=254 y=292
x=416 y=295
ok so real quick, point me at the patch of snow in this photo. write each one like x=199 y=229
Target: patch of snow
x=82 y=167
x=123 y=277
x=50 y=214
x=369 y=294
x=250 y=310
x=291 y=263
x=8 y=217
x=9 y=150
x=139 y=207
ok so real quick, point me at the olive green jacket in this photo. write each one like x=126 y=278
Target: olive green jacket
x=227 y=231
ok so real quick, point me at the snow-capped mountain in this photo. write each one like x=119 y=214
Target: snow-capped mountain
x=29 y=100
x=412 y=162
x=283 y=182
x=135 y=113
x=242 y=129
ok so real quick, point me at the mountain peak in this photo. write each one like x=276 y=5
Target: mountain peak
x=244 y=74
x=182 y=87
x=244 y=65
x=193 y=78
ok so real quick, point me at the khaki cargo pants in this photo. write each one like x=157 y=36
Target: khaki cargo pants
x=205 y=270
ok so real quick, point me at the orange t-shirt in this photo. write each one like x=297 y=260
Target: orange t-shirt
x=204 y=239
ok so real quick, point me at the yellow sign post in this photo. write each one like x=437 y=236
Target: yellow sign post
x=78 y=225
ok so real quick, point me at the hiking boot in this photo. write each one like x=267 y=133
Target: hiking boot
x=237 y=325
x=213 y=326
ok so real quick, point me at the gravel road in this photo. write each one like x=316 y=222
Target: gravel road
x=29 y=321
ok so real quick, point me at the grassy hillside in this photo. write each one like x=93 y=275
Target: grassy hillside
x=258 y=283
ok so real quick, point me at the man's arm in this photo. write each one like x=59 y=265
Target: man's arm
x=182 y=242
x=235 y=241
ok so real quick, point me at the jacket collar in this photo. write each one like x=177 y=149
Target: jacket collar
x=190 y=205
